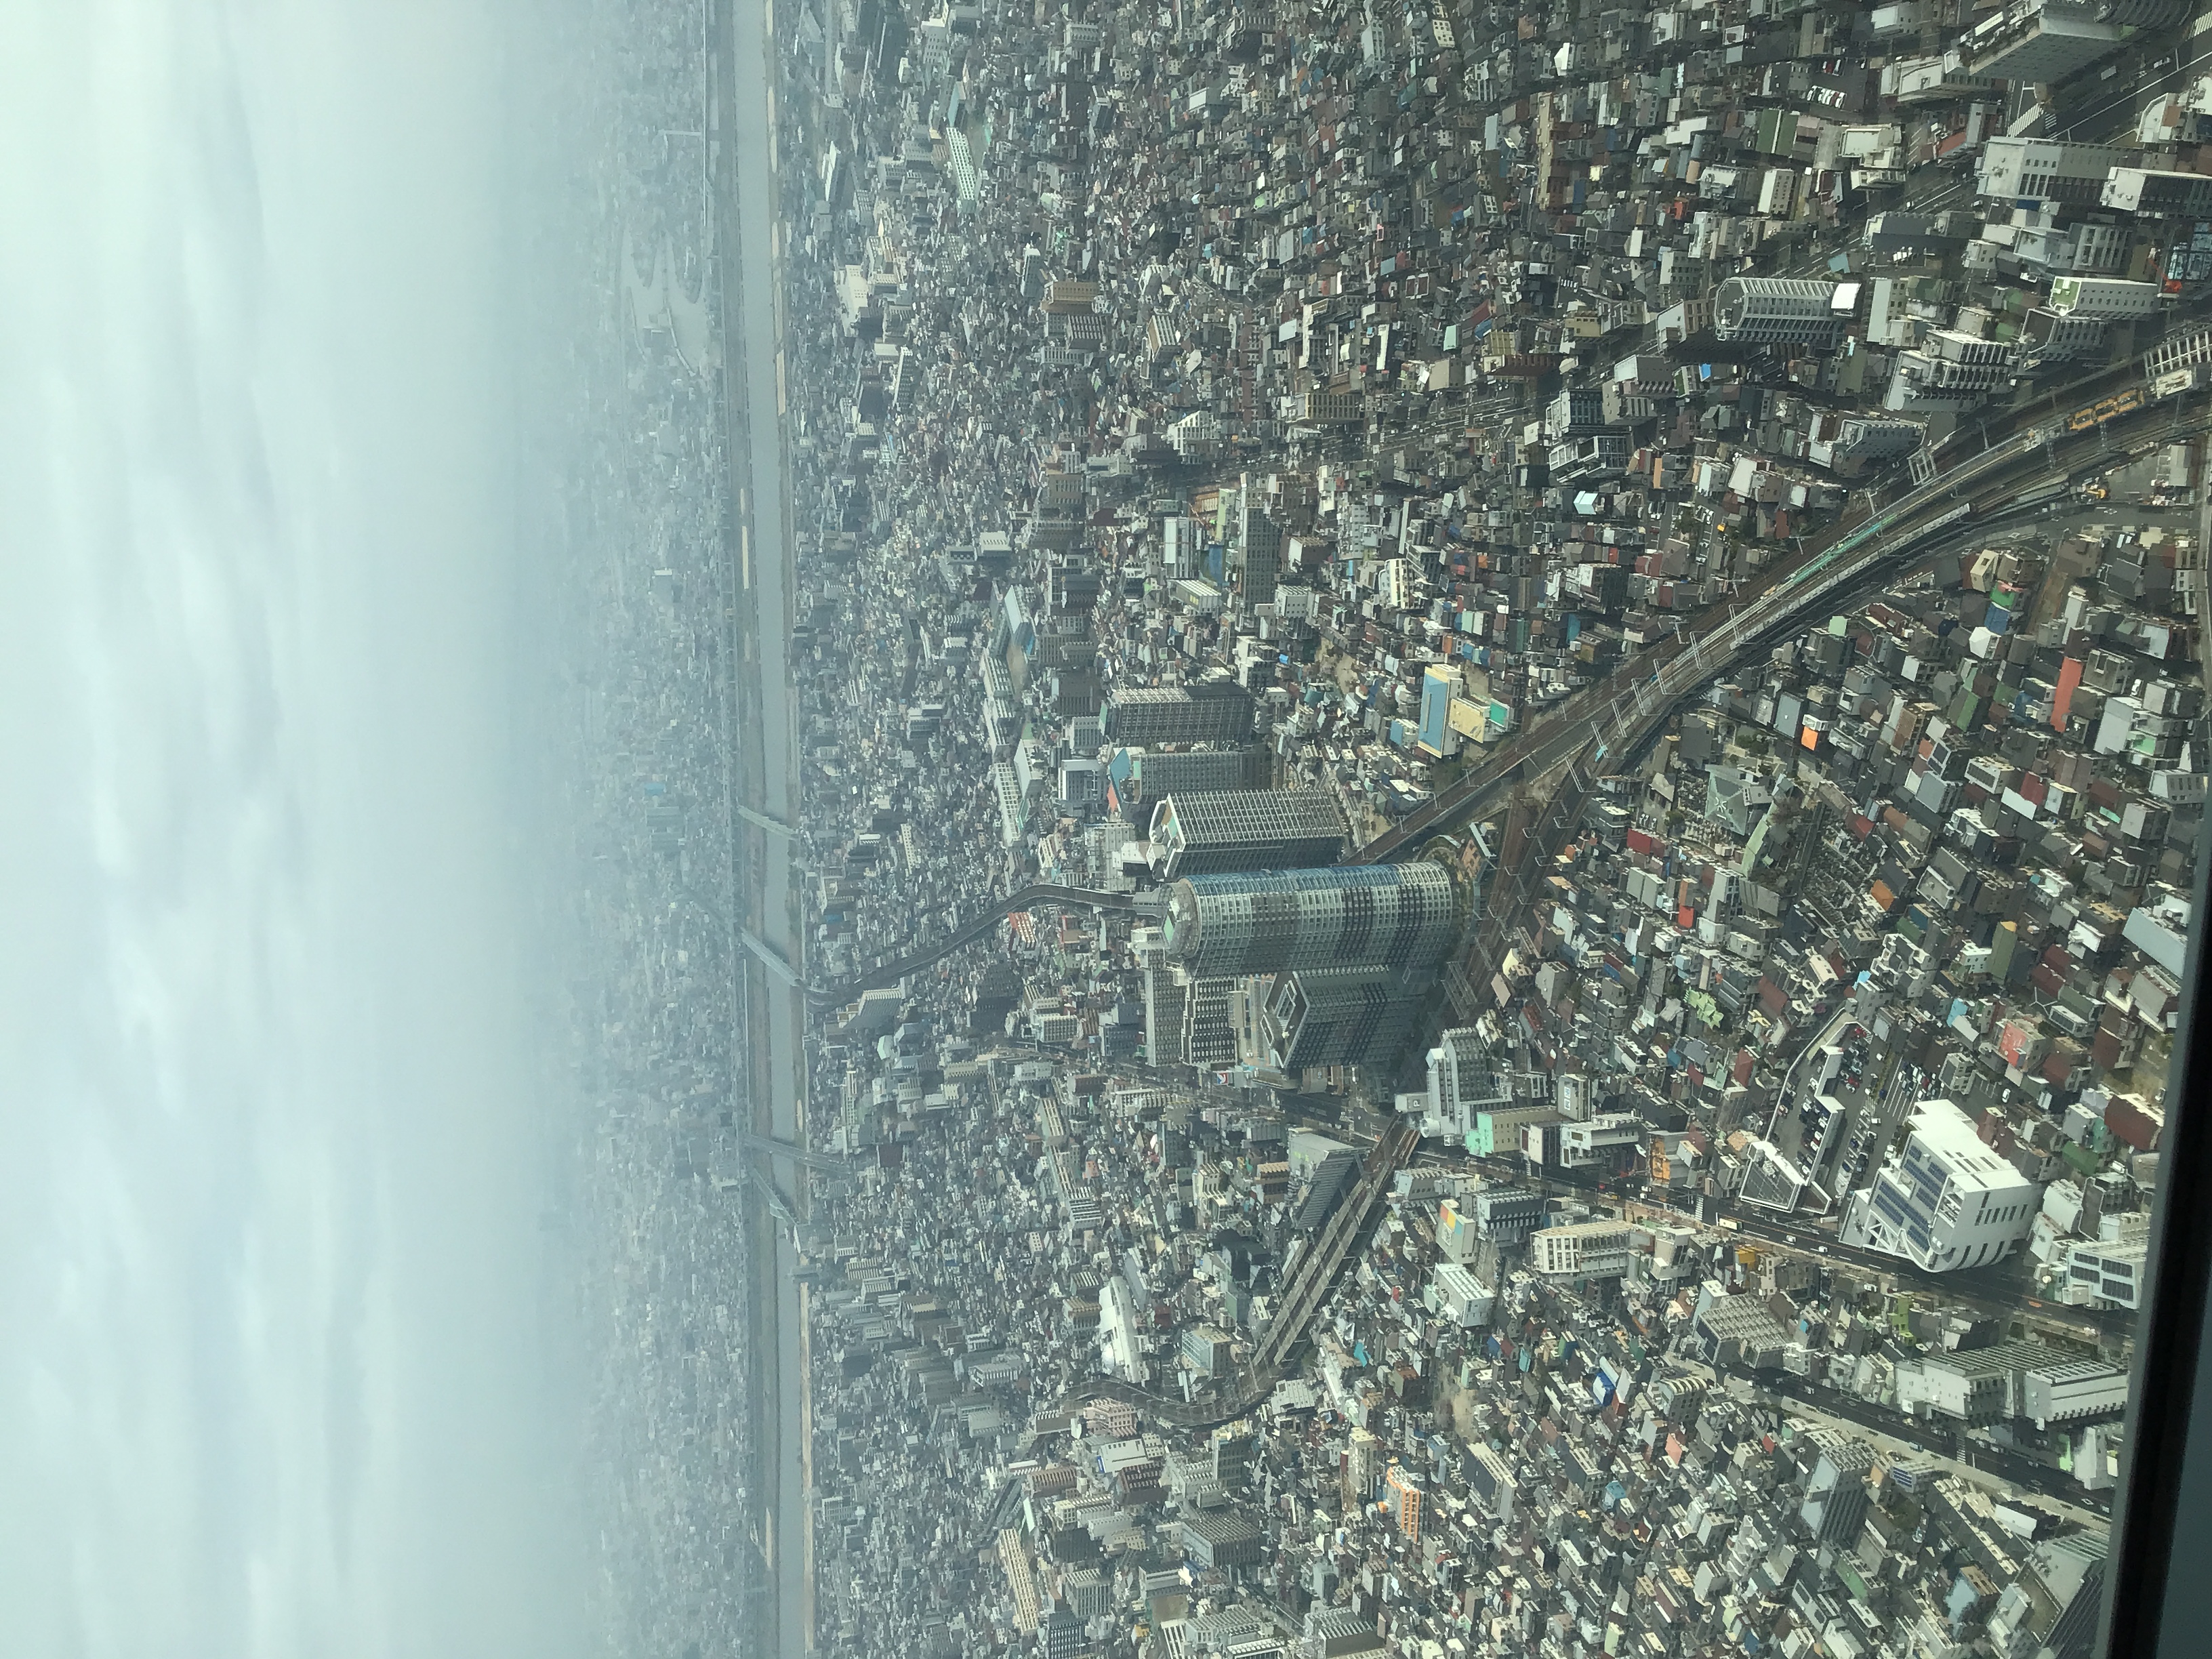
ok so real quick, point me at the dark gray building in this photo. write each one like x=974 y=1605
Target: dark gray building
x=1220 y=1539
x=1337 y=1175
x=1836 y=1496
x=1331 y=1017
x=1175 y=714
x=1507 y=1215
x=1215 y=831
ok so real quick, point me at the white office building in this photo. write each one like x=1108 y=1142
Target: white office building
x=1460 y=1295
x=2109 y=1271
x=2102 y=296
x=2024 y=43
x=2062 y=1390
x=1583 y=1249
x=1947 y=1201
x=1600 y=1139
x=2044 y=170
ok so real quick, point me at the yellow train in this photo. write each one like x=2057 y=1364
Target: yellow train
x=2108 y=408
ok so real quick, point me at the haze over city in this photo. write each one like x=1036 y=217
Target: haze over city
x=1091 y=829
x=276 y=1378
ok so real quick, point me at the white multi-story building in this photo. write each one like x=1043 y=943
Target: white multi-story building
x=1582 y=1249
x=1597 y=1140
x=1776 y=310
x=2066 y=249
x=1947 y=1201
x=2109 y=1270
x=2024 y=43
x=2046 y=170
x=1952 y=369
x=1460 y=1296
x=1196 y=436
x=2102 y=296
x=2009 y=1380
x=2062 y=1390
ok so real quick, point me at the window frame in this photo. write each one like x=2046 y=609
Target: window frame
x=2162 y=1502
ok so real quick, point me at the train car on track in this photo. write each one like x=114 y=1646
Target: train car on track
x=2106 y=408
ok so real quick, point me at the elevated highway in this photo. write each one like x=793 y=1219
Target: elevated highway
x=1036 y=897
x=765 y=913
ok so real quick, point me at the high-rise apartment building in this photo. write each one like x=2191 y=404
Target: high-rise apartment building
x=1779 y=310
x=1147 y=774
x=1836 y=1496
x=1403 y=1488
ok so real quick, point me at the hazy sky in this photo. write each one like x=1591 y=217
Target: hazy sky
x=270 y=1382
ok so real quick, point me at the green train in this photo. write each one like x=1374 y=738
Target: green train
x=1859 y=538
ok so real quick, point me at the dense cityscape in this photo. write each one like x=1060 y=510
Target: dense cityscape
x=1389 y=819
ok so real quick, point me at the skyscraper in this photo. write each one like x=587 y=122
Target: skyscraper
x=1836 y=1496
x=1326 y=1017
x=1405 y=1489
x=1399 y=916
x=1209 y=713
x=1259 y=547
x=1215 y=831
x=1145 y=775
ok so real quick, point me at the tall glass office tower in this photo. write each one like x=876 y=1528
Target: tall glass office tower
x=1399 y=916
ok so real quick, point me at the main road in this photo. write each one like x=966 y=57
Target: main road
x=770 y=1100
